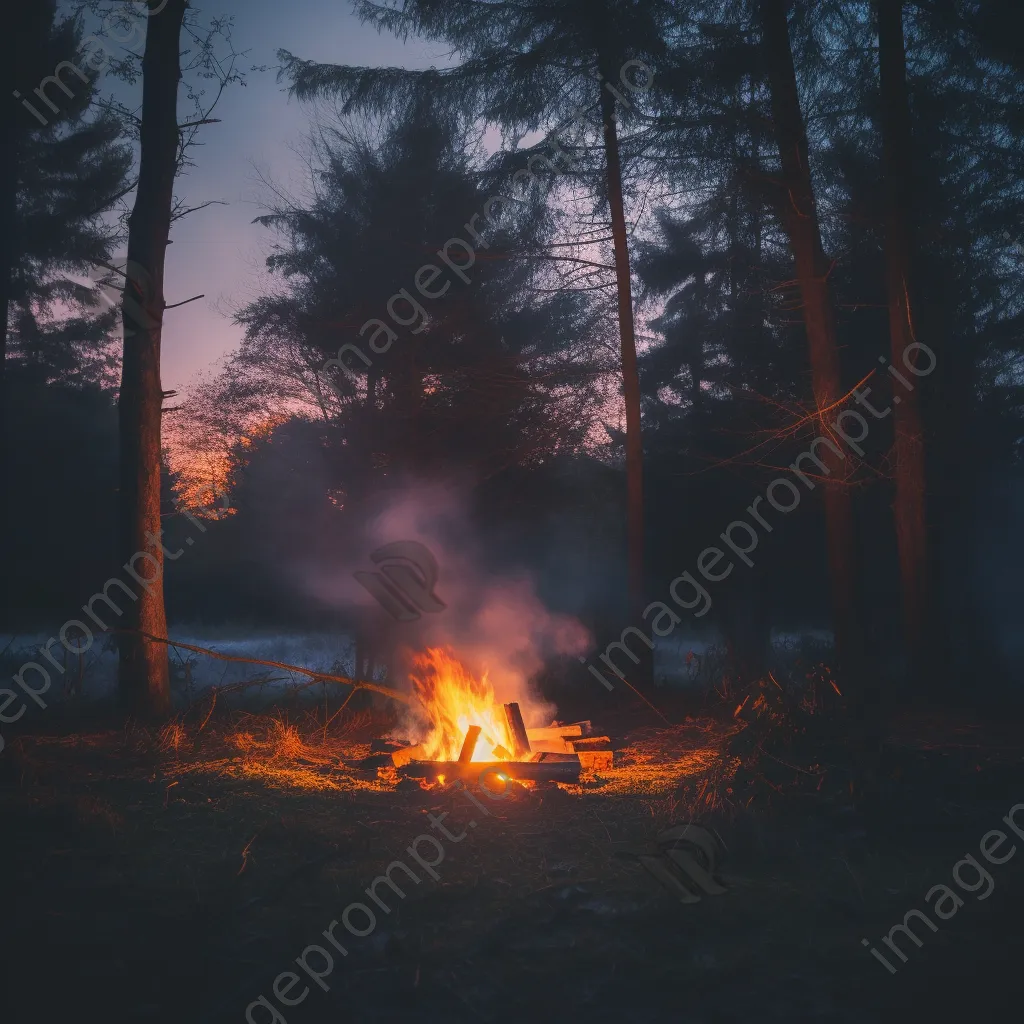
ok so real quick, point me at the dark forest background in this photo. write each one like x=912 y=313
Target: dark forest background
x=511 y=394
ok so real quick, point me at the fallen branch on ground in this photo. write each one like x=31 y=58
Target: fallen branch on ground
x=312 y=673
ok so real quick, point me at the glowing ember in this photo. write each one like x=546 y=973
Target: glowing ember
x=453 y=700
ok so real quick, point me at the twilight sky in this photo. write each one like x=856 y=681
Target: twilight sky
x=218 y=251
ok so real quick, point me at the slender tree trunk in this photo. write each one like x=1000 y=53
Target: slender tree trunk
x=360 y=500
x=909 y=511
x=143 y=671
x=8 y=225
x=627 y=339
x=9 y=161
x=957 y=468
x=748 y=633
x=800 y=217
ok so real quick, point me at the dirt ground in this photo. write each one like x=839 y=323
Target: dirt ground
x=174 y=877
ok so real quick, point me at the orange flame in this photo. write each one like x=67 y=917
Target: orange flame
x=453 y=701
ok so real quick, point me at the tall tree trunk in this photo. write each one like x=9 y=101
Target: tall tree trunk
x=912 y=534
x=800 y=217
x=8 y=225
x=9 y=162
x=143 y=672
x=627 y=340
x=963 y=640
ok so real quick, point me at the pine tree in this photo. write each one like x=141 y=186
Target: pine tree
x=525 y=66
x=419 y=400
x=62 y=172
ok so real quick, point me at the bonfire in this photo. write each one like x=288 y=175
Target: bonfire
x=454 y=702
x=467 y=730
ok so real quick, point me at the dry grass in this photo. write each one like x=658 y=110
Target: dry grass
x=285 y=741
x=244 y=741
x=242 y=844
x=172 y=737
x=686 y=770
x=658 y=761
x=682 y=766
x=280 y=753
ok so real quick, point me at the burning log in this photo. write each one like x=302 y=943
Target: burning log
x=517 y=730
x=551 y=746
x=469 y=744
x=461 y=710
x=562 y=739
x=594 y=752
x=559 y=732
x=527 y=771
x=407 y=754
x=452 y=700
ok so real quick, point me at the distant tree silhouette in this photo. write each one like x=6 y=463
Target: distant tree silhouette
x=486 y=375
x=57 y=181
x=526 y=66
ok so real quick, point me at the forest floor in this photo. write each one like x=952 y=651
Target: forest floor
x=174 y=876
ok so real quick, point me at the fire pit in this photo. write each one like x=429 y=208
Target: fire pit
x=471 y=735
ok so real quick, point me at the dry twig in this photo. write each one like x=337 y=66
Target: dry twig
x=313 y=674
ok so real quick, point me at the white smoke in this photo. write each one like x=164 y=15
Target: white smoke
x=494 y=624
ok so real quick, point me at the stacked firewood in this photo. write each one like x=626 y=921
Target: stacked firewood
x=552 y=753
